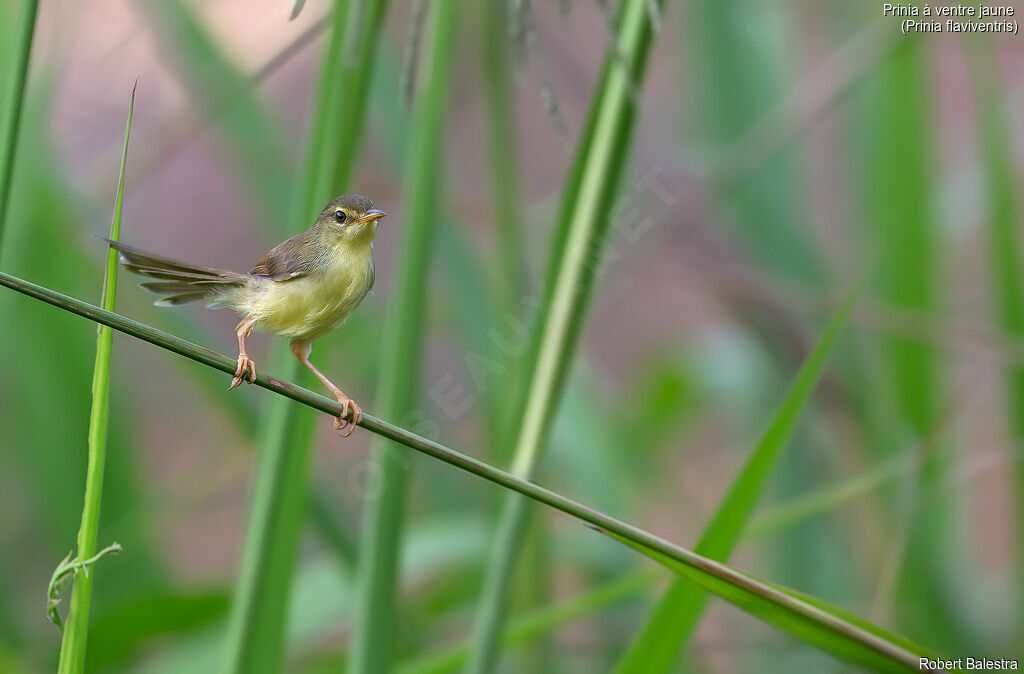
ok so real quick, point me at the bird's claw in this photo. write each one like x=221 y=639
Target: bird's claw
x=245 y=365
x=341 y=423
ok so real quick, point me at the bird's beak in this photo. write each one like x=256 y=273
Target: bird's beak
x=371 y=215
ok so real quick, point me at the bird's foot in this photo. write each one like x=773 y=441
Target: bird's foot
x=245 y=365
x=343 y=424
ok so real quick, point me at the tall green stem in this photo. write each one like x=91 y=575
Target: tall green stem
x=14 y=102
x=72 y=648
x=899 y=190
x=505 y=190
x=502 y=138
x=584 y=219
x=374 y=621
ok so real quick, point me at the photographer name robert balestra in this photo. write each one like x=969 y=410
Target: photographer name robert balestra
x=974 y=664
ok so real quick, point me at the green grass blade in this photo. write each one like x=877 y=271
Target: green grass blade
x=794 y=610
x=1004 y=246
x=72 y=651
x=808 y=619
x=901 y=191
x=669 y=626
x=14 y=102
x=398 y=388
x=502 y=139
x=587 y=200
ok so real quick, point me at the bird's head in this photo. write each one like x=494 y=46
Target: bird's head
x=351 y=217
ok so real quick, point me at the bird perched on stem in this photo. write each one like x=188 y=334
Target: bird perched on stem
x=302 y=289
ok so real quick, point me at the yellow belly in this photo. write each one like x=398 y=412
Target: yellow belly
x=309 y=306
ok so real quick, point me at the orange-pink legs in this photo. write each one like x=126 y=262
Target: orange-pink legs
x=245 y=364
x=301 y=349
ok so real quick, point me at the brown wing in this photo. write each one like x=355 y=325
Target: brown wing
x=288 y=260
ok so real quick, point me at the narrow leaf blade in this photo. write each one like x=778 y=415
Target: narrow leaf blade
x=72 y=652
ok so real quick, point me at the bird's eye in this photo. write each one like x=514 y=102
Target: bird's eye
x=339 y=216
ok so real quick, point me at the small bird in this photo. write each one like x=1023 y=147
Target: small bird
x=302 y=289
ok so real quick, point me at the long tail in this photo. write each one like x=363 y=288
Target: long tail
x=179 y=282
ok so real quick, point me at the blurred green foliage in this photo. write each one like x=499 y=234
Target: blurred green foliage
x=869 y=509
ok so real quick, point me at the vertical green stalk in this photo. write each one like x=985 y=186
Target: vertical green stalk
x=280 y=492
x=14 y=103
x=505 y=190
x=502 y=138
x=1003 y=248
x=583 y=221
x=899 y=190
x=908 y=270
x=374 y=619
x=72 y=648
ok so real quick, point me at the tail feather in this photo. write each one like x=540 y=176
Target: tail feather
x=164 y=275
x=175 y=300
x=180 y=282
x=171 y=287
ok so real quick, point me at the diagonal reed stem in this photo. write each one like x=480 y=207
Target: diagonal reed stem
x=896 y=651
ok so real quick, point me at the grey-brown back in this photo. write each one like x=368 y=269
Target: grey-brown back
x=292 y=258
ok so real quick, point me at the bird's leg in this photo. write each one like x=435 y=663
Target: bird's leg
x=245 y=364
x=301 y=349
